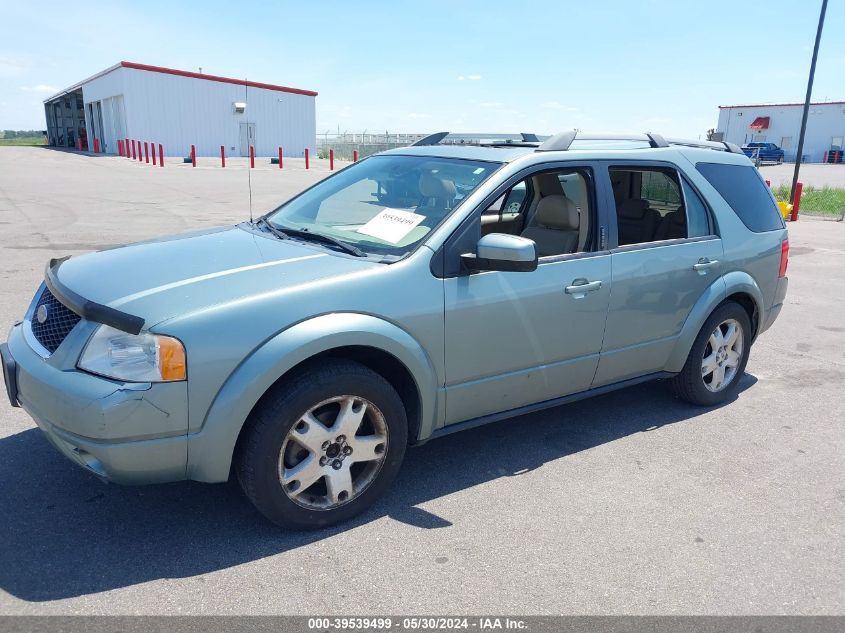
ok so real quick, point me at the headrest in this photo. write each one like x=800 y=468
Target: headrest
x=633 y=209
x=557 y=212
x=549 y=184
x=433 y=187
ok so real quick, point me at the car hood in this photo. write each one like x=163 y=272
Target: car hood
x=171 y=276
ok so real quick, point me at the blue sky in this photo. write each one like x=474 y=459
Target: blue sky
x=464 y=66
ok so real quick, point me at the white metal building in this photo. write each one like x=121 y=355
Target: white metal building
x=179 y=108
x=780 y=123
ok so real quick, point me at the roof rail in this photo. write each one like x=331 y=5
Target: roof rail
x=431 y=139
x=723 y=146
x=563 y=141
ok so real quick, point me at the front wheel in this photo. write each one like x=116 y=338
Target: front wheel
x=323 y=445
x=717 y=359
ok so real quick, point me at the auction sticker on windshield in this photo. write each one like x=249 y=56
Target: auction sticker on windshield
x=391 y=225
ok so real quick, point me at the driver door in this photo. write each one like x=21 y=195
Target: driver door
x=517 y=338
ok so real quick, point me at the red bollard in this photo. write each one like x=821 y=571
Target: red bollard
x=126 y=148
x=331 y=160
x=252 y=157
x=306 y=158
x=147 y=152
x=96 y=145
x=140 y=152
x=153 y=151
x=280 y=157
x=354 y=155
x=160 y=155
x=796 y=201
x=79 y=144
x=193 y=156
x=119 y=147
x=133 y=149
x=223 y=156
x=769 y=183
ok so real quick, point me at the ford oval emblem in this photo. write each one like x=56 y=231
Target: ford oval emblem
x=42 y=313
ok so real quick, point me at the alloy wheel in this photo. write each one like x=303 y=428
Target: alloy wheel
x=722 y=355
x=333 y=452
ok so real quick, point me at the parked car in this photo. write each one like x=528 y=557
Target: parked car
x=764 y=152
x=305 y=350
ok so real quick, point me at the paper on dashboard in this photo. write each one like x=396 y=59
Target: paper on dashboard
x=391 y=225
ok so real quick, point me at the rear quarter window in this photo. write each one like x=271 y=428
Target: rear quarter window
x=746 y=193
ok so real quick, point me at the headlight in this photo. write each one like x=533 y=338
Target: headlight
x=141 y=357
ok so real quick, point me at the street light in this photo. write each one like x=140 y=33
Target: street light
x=807 y=101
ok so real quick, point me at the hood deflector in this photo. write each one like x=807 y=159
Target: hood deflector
x=89 y=310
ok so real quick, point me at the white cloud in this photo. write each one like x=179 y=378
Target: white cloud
x=491 y=104
x=461 y=77
x=44 y=88
x=419 y=115
x=473 y=77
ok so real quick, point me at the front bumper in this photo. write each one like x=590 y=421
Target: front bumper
x=129 y=433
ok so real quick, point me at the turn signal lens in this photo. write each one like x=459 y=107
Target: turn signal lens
x=171 y=358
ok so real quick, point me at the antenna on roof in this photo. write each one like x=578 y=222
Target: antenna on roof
x=528 y=137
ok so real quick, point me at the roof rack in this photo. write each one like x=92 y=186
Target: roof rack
x=431 y=139
x=528 y=139
x=563 y=141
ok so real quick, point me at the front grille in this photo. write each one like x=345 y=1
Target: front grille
x=58 y=324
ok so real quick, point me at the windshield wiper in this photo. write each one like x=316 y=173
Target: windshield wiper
x=272 y=229
x=314 y=237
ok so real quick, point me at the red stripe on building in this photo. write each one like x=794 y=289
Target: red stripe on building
x=225 y=80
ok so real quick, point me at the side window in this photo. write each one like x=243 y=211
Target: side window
x=698 y=222
x=649 y=205
x=745 y=192
x=553 y=209
x=505 y=215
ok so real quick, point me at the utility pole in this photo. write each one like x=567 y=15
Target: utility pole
x=807 y=100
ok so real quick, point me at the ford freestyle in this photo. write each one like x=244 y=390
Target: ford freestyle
x=415 y=293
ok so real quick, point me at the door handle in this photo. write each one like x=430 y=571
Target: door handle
x=579 y=290
x=704 y=264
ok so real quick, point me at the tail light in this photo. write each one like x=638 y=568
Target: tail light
x=784 y=258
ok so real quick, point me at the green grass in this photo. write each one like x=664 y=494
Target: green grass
x=824 y=201
x=27 y=140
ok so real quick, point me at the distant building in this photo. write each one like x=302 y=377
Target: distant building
x=178 y=109
x=780 y=123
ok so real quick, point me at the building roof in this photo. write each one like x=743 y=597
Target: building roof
x=778 y=105
x=184 y=73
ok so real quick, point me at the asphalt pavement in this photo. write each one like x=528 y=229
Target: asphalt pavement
x=628 y=503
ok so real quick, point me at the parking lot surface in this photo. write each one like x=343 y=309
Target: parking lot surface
x=628 y=503
x=812 y=175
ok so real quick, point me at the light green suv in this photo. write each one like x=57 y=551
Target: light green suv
x=415 y=293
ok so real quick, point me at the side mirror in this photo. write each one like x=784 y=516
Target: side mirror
x=500 y=251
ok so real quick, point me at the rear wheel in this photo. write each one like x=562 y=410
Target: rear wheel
x=323 y=446
x=717 y=359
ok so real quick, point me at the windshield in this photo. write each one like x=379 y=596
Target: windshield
x=384 y=204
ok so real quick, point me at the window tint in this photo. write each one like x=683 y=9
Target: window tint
x=698 y=223
x=746 y=193
x=649 y=205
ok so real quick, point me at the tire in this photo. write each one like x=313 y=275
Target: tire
x=306 y=419
x=697 y=386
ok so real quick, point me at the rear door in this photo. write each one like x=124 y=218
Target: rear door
x=665 y=252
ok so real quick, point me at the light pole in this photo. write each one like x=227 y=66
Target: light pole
x=807 y=100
